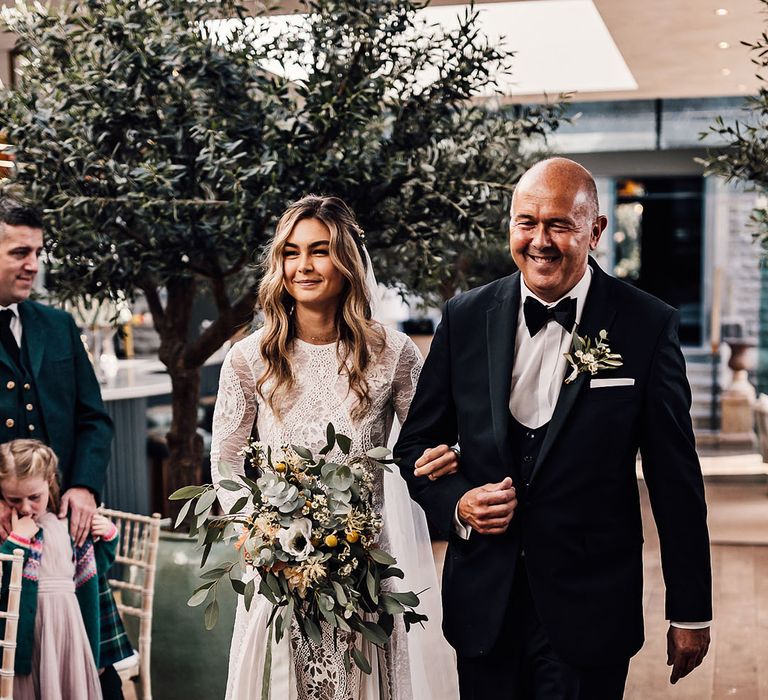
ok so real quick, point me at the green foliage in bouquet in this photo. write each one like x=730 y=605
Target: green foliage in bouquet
x=309 y=528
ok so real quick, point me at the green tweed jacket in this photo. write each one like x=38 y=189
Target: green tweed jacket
x=64 y=384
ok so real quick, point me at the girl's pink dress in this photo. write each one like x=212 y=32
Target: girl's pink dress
x=62 y=662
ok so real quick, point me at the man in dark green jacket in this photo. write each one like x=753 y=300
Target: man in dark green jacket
x=48 y=389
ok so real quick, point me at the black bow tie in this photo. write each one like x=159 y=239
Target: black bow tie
x=537 y=315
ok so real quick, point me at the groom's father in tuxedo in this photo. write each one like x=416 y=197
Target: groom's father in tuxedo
x=48 y=389
x=542 y=586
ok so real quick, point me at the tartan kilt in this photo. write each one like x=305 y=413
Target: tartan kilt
x=114 y=643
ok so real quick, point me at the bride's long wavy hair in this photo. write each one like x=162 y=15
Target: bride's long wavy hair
x=358 y=337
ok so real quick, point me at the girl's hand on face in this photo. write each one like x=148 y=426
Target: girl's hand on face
x=25 y=527
x=101 y=526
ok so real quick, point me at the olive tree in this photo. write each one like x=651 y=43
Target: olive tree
x=742 y=155
x=163 y=137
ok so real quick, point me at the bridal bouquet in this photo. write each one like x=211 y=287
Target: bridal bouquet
x=308 y=526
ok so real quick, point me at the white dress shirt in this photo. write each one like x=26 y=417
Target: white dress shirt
x=539 y=367
x=15 y=321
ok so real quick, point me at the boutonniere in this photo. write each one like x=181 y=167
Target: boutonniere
x=591 y=356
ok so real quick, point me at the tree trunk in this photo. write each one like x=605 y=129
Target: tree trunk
x=185 y=446
x=183 y=359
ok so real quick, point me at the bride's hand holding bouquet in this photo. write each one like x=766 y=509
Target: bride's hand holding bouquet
x=309 y=528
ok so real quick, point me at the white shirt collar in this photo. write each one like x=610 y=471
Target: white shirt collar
x=13 y=307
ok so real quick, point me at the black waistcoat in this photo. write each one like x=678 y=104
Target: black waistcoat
x=526 y=445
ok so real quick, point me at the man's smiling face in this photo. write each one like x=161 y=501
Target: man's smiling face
x=553 y=226
x=20 y=249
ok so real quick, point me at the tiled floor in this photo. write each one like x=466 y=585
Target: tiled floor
x=737 y=663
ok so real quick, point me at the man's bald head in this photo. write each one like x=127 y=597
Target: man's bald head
x=562 y=174
x=554 y=223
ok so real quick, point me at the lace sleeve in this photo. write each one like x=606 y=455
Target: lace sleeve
x=406 y=377
x=233 y=418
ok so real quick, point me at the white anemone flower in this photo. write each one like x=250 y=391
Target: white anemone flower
x=295 y=540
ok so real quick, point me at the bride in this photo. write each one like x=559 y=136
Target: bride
x=320 y=358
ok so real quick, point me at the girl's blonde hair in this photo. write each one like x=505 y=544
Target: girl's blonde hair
x=22 y=459
x=358 y=336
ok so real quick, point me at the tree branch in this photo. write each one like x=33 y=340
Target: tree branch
x=153 y=301
x=221 y=330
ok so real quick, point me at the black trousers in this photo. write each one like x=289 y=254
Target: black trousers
x=523 y=665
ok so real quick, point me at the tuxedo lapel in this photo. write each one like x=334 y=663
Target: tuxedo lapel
x=501 y=329
x=33 y=336
x=599 y=312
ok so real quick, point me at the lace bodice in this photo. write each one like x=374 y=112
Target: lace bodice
x=320 y=395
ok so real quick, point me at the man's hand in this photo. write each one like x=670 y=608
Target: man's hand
x=25 y=527
x=5 y=520
x=489 y=509
x=686 y=649
x=82 y=504
x=436 y=462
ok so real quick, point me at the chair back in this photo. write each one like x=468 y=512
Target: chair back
x=137 y=552
x=11 y=617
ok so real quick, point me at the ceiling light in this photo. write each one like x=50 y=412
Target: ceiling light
x=725 y=71
x=742 y=87
x=723 y=45
x=721 y=12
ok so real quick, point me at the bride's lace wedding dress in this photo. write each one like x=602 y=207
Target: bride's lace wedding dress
x=419 y=666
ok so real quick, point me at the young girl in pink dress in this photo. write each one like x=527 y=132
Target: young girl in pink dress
x=62 y=639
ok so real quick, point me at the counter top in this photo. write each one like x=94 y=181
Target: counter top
x=142 y=377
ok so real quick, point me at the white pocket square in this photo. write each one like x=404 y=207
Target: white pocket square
x=622 y=381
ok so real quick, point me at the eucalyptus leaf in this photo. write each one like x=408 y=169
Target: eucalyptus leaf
x=391 y=605
x=360 y=661
x=278 y=625
x=187 y=492
x=206 y=553
x=408 y=598
x=217 y=572
x=211 y=615
x=370 y=583
x=381 y=557
x=250 y=590
x=198 y=597
x=303 y=452
x=239 y=504
x=344 y=443
x=183 y=513
x=339 y=590
x=378 y=453
x=342 y=624
x=205 y=501
x=313 y=631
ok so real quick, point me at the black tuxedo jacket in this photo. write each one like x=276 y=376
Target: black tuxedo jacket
x=578 y=521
